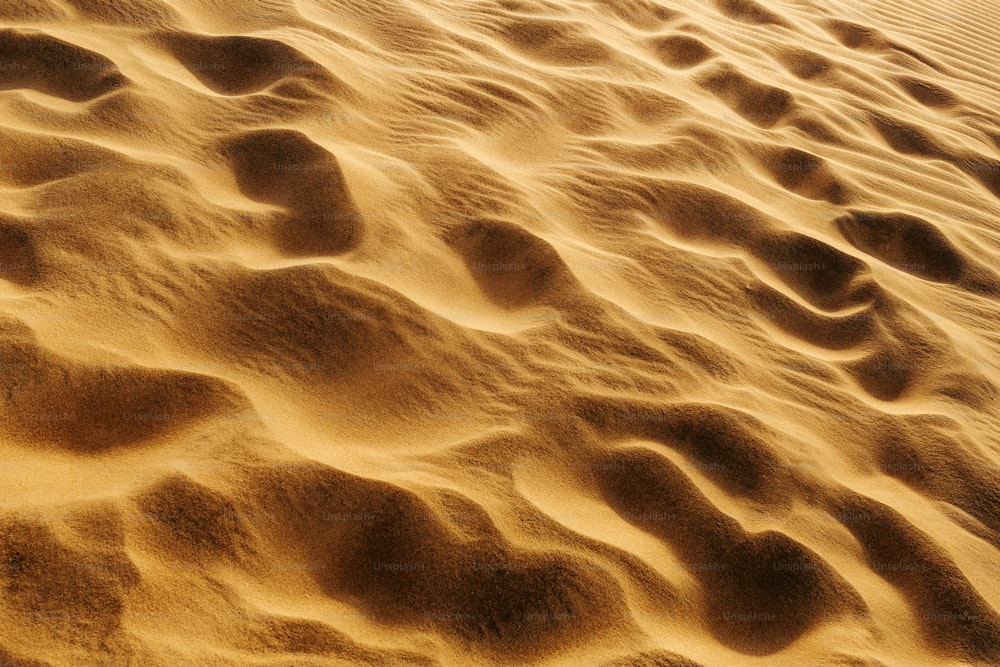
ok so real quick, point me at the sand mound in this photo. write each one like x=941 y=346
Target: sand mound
x=626 y=333
x=54 y=67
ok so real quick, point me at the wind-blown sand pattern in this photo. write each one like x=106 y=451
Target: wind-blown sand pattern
x=499 y=332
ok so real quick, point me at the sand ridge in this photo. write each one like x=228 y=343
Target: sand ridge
x=499 y=332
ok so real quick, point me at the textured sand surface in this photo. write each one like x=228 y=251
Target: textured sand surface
x=499 y=332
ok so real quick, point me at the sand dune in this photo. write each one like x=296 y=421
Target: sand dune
x=499 y=332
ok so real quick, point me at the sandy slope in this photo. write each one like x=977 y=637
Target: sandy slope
x=499 y=332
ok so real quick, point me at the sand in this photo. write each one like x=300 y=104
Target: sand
x=499 y=332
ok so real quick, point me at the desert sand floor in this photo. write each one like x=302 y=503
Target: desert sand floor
x=499 y=332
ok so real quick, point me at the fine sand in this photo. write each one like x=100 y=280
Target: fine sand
x=591 y=333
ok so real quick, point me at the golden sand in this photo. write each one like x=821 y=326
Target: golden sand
x=499 y=332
